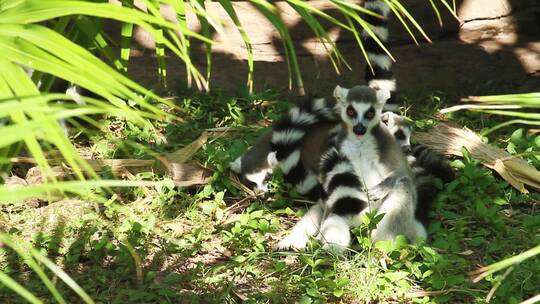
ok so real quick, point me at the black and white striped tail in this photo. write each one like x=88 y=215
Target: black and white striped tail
x=426 y=161
x=342 y=187
x=287 y=137
x=381 y=77
x=426 y=164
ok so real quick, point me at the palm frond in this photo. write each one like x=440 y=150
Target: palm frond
x=513 y=105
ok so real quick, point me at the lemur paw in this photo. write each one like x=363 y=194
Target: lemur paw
x=334 y=248
x=261 y=188
x=336 y=243
x=294 y=241
x=335 y=235
x=419 y=231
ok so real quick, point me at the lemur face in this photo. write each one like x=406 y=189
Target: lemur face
x=361 y=108
x=400 y=128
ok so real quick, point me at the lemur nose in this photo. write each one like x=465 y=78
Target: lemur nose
x=406 y=148
x=359 y=129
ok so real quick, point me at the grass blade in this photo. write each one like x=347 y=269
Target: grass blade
x=15 y=194
x=352 y=14
x=511 y=122
x=487 y=270
x=205 y=29
x=403 y=23
x=452 y=10
x=91 y=31
x=62 y=275
x=270 y=12
x=405 y=12
x=23 y=253
x=321 y=34
x=437 y=13
x=227 y=6
x=16 y=287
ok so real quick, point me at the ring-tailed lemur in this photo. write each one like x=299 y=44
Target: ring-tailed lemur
x=363 y=155
x=298 y=168
x=255 y=168
x=424 y=162
x=286 y=143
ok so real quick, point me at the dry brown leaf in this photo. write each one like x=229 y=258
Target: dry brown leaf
x=184 y=154
x=185 y=175
x=449 y=138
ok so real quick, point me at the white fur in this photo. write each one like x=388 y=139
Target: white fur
x=288 y=163
x=398 y=210
x=378 y=7
x=307 y=184
x=344 y=191
x=271 y=158
x=306 y=227
x=319 y=104
x=383 y=95
x=391 y=107
x=258 y=179
x=336 y=129
x=340 y=94
x=236 y=165
x=335 y=234
x=339 y=168
x=420 y=231
x=387 y=84
x=299 y=117
x=381 y=60
x=380 y=31
x=364 y=157
x=287 y=136
x=395 y=123
x=73 y=91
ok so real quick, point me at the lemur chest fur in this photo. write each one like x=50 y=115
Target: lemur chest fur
x=364 y=156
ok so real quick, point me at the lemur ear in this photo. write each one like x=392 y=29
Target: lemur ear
x=340 y=94
x=389 y=119
x=385 y=117
x=382 y=95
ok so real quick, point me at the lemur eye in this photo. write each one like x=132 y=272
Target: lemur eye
x=370 y=114
x=351 y=112
x=400 y=135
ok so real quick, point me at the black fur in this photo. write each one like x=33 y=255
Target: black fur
x=348 y=206
x=347 y=179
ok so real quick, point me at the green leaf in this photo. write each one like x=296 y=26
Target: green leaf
x=396 y=275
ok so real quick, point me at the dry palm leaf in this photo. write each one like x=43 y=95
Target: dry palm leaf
x=188 y=151
x=449 y=139
x=172 y=164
